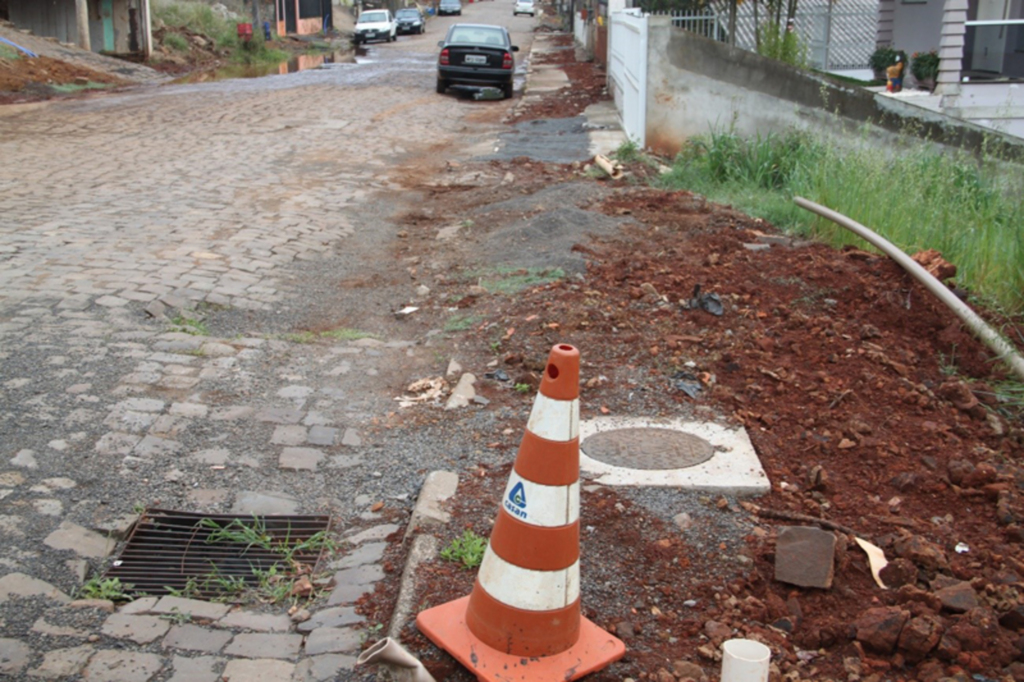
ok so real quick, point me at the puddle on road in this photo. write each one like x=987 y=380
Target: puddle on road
x=303 y=62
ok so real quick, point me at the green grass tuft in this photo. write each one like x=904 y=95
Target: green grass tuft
x=176 y=42
x=467 y=550
x=8 y=52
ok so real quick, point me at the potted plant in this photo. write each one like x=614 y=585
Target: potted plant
x=925 y=67
x=884 y=57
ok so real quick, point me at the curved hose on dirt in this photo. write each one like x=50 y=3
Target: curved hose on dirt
x=989 y=336
x=404 y=666
x=16 y=46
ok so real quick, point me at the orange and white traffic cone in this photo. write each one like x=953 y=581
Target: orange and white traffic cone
x=522 y=621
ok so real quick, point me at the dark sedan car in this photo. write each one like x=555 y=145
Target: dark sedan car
x=449 y=7
x=476 y=54
x=410 y=20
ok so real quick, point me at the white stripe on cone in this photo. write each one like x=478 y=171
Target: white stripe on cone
x=527 y=589
x=541 y=505
x=557 y=420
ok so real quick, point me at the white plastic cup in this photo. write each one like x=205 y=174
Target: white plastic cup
x=744 y=660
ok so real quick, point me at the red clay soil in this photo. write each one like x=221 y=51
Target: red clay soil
x=589 y=85
x=870 y=407
x=27 y=79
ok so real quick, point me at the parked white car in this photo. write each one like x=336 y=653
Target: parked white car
x=524 y=7
x=375 y=24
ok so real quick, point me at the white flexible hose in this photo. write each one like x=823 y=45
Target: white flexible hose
x=989 y=336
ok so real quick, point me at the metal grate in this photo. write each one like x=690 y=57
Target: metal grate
x=172 y=551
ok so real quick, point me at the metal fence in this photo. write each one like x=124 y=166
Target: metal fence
x=837 y=35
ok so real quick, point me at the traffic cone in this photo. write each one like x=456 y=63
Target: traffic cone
x=522 y=620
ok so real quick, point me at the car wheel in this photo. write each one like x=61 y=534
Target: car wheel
x=507 y=90
x=442 y=85
x=423 y=29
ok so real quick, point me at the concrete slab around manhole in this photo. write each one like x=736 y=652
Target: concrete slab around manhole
x=733 y=468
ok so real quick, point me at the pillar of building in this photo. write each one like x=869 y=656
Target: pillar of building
x=951 y=48
x=82 y=21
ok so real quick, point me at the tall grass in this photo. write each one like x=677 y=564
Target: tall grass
x=971 y=211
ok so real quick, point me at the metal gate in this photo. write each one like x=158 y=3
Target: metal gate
x=627 y=71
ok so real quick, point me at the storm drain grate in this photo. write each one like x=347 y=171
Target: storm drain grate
x=647 y=448
x=207 y=555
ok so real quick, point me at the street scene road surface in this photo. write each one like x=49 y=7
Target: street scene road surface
x=127 y=224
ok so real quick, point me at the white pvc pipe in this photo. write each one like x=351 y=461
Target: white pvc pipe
x=990 y=337
x=404 y=666
x=744 y=660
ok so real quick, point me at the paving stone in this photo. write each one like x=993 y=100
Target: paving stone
x=129 y=421
x=189 y=410
x=200 y=669
x=258 y=645
x=25 y=459
x=305 y=459
x=48 y=507
x=44 y=627
x=368 y=553
x=154 y=446
x=14 y=655
x=104 y=605
x=194 y=638
x=333 y=641
x=289 y=435
x=81 y=541
x=351 y=583
x=336 y=617
x=139 y=629
x=233 y=413
x=213 y=456
x=322 y=435
x=61 y=664
x=295 y=392
x=217 y=350
x=805 y=556
x=279 y=415
x=141 y=605
x=258 y=670
x=122 y=666
x=116 y=443
x=380 y=532
x=261 y=622
x=193 y=607
x=323 y=668
x=141 y=405
x=111 y=301
x=250 y=502
x=351 y=438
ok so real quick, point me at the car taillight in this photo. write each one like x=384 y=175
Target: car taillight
x=506 y=61
x=444 y=56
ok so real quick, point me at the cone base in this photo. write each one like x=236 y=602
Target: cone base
x=446 y=627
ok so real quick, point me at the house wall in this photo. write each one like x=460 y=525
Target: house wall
x=695 y=84
x=54 y=18
x=917 y=26
x=58 y=19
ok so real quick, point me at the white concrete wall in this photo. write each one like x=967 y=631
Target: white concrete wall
x=996 y=105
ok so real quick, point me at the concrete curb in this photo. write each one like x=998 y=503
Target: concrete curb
x=438 y=486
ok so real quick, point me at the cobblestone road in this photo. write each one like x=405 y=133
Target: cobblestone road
x=210 y=195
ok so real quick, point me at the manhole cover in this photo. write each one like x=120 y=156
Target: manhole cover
x=647 y=448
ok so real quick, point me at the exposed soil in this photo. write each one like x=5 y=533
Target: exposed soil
x=869 y=406
x=29 y=79
x=589 y=84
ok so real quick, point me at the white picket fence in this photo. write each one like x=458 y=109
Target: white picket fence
x=627 y=71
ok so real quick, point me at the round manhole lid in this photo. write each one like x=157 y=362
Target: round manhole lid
x=647 y=448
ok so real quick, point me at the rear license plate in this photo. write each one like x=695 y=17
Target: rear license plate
x=476 y=59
